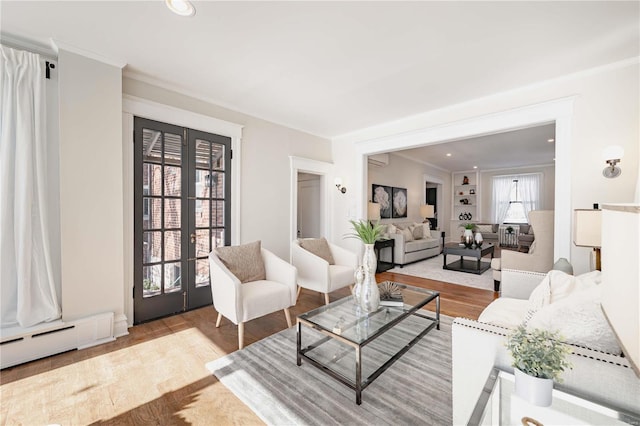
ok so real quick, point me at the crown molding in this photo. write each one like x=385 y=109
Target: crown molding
x=56 y=45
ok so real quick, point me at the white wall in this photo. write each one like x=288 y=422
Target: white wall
x=91 y=205
x=606 y=111
x=402 y=172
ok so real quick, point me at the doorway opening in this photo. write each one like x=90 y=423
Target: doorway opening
x=309 y=205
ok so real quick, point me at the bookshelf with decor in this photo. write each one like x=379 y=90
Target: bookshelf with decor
x=465 y=199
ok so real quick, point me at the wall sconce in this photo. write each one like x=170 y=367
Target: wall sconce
x=338 y=183
x=612 y=155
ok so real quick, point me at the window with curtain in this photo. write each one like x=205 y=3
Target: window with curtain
x=27 y=282
x=514 y=196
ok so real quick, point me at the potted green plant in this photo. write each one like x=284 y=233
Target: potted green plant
x=538 y=359
x=366 y=231
x=365 y=292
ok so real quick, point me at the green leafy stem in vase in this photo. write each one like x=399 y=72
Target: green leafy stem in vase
x=365 y=231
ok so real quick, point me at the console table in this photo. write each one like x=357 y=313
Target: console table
x=382 y=244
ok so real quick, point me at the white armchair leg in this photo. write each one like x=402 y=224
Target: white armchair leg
x=326 y=298
x=218 y=320
x=240 y=335
x=287 y=315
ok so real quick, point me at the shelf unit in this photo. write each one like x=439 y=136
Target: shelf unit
x=465 y=197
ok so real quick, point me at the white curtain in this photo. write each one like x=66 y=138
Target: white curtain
x=501 y=196
x=529 y=189
x=26 y=279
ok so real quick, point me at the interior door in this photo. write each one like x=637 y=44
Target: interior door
x=181 y=208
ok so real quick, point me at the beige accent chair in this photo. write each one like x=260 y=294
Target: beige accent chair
x=242 y=302
x=315 y=273
x=540 y=255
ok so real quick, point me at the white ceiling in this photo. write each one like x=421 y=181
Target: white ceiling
x=514 y=149
x=330 y=68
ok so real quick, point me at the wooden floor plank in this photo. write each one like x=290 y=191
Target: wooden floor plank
x=157 y=374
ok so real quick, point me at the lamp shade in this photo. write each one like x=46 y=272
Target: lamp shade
x=587 y=227
x=427 y=211
x=613 y=152
x=373 y=211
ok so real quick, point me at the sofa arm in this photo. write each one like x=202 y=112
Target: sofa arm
x=398 y=248
x=519 y=284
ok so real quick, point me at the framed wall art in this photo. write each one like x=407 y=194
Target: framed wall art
x=399 y=202
x=381 y=194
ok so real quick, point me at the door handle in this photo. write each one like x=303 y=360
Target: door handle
x=193 y=238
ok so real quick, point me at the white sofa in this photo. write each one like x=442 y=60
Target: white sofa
x=409 y=250
x=477 y=347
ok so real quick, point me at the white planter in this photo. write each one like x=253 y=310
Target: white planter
x=535 y=390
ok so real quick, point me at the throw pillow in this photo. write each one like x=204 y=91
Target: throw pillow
x=555 y=286
x=408 y=235
x=391 y=229
x=484 y=229
x=319 y=247
x=418 y=232
x=243 y=261
x=579 y=320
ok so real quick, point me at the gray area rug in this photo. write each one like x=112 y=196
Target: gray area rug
x=416 y=389
x=432 y=269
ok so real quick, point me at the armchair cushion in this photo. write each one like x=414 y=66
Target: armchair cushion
x=319 y=247
x=243 y=261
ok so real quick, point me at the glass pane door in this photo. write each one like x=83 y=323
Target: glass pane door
x=181 y=212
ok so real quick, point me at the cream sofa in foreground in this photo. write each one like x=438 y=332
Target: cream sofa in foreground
x=477 y=347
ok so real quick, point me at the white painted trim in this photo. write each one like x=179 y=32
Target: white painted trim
x=127 y=202
x=134 y=106
x=120 y=325
x=13 y=41
x=559 y=111
x=56 y=45
x=408 y=157
x=326 y=172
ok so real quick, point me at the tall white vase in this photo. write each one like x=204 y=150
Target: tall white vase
x=369 y=293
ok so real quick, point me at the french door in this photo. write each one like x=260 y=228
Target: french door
x=182 y=211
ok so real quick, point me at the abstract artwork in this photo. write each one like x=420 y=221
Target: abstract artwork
x=382 y=195
x=399 y=200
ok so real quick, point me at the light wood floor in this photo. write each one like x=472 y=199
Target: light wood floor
x=157 y=375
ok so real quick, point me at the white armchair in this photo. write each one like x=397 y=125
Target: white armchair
x=242 y=302
x=539 y=259
x=315 y=273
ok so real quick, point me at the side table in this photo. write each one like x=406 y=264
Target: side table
x=382 y=244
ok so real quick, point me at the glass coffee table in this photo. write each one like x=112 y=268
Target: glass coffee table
x=498 y=405
x=354 y=347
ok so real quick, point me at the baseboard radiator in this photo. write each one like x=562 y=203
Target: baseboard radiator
x=23 y=345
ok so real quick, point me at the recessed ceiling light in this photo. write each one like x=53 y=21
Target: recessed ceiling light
x=181 y=7
x=551 y=140
x=448 y=154
x=475 y=167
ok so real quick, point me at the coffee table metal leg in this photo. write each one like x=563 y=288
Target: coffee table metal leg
x=438 y=312
x=299 y=344
x=358 y=376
